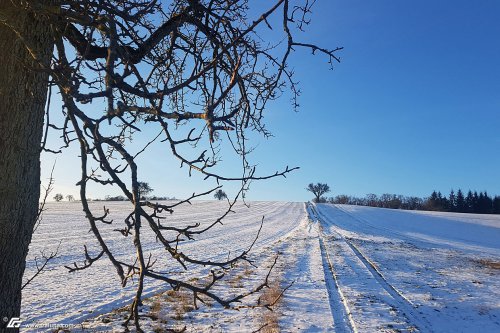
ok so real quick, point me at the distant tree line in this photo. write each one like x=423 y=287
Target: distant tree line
x=122 y=198
x=473 y=202
x=144 y=190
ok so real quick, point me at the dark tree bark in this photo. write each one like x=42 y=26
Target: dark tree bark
x=23 y=89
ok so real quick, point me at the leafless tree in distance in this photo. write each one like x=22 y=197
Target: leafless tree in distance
x=196 y=73
x=318 y=190
x=220 y=194
x=144 y=189
x=58 y=197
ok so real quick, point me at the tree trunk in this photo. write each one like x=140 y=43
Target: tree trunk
x=23 y=89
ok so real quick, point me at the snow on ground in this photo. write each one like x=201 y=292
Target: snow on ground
x=61 y=297
x=413 y=271
x=347 y=269
x=466 y=232
x=304 y=307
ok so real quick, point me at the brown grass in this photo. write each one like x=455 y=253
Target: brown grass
x=236 y=281
x=155 y=310
x=248 y=271
x=271 y=295
x=181 y=301
x=489 y=263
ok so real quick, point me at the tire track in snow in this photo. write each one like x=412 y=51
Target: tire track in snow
x=342 y=317
x=398 y=299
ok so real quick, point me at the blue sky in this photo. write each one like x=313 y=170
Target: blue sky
x=413 y=106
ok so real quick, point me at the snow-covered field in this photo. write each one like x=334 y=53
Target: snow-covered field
x=354 y=269
x=57 y=296
x=412 y=271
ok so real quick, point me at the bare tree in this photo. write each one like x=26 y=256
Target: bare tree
x=58 y=197
x=220 y=195
x=199 y=64
x=144 y=189
x=70 y=197
x=318 y=190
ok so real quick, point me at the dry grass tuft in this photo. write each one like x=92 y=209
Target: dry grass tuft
x=489 y=263
x=182 y=302
x=155 y=310
x=236 y=281
x=271 y=295
x=271 y=325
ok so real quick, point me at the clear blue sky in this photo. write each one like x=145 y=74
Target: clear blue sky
x=413 y=106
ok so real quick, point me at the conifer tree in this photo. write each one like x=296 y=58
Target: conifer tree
x=469 y=202
x=461 y=206
x=496 y=205
x=475 y=202
x=452 y=204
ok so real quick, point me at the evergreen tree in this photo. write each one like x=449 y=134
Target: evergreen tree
x=486 y=204
x=469 y=202
x=452 y=202
x=475 y=203
x=443 y=203
x=461 y=205
x=480 y=203
x=496 y=205
x=433 y=201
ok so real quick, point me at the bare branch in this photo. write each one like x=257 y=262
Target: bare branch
x=156 y=68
